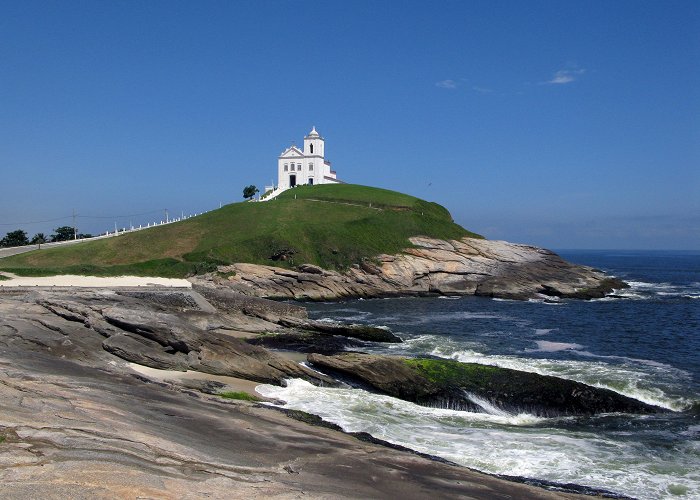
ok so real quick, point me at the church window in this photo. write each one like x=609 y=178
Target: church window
x=311 y=148
x=311 y=167
x=286 y=167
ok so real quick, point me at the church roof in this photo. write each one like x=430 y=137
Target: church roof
x=291 y=151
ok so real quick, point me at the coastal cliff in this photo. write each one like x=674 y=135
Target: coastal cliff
x=328 y=242
x=468 y=266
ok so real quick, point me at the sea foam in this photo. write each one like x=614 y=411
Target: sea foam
x=500 y=443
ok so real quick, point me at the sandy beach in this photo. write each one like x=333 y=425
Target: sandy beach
x=69 y=280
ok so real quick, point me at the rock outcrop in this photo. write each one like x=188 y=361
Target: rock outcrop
x=74 y=408
x=465 y=267
x=474 y=387
x=164 y=330
x=68 y=430
x=291 y=316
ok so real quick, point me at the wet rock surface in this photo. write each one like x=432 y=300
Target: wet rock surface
x=459 y=267
x=77 y=422
x=465 y=386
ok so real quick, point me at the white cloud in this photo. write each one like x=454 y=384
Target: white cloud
x=446 y=84
x=564 y=76
x=482 y=90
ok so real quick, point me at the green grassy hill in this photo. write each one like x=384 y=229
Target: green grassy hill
x=332 y=226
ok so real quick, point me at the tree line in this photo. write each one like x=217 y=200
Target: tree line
x=19 y=238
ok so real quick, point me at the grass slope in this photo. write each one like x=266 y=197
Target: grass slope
x=332 y=226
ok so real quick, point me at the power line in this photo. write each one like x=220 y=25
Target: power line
x=33 y=222
x=117 y=216
x=78 y=216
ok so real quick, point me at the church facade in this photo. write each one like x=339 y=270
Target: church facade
x=297 y=167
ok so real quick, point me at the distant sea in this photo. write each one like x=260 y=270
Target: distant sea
x=645 y=343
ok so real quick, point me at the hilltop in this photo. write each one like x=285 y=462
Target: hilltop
x=330 y=226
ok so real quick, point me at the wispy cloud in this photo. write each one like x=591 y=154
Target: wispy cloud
x=564 y=76
x=482 y=90
x=447 y=84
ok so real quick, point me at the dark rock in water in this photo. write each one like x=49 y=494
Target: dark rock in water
x=385 y=373
x=362 y=332
x=603 y=289
x=306 y=342
x=322 y=337
x=466 y=386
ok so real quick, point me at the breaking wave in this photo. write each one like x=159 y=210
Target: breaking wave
x=500 y=443
x=642 y=290
x=628 y=379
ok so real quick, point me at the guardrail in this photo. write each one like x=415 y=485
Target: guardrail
x=9 y=251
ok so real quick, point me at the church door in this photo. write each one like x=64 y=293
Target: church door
x=292 y=180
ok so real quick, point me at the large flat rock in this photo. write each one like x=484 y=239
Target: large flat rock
x=460 y=267
x=161 y=330
x=77 y=422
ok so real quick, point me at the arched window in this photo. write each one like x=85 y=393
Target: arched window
x=311 y=148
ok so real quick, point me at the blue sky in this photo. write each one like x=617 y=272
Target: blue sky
x=559 y=124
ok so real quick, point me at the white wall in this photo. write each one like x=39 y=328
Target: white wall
x=320 y=170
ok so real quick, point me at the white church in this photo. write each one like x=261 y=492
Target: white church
x=296 y=167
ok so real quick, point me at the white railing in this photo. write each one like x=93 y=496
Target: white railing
x=8 y=251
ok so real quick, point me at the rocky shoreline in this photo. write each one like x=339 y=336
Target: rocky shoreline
x=71 y=395
x=430 y=267
x=94 y=406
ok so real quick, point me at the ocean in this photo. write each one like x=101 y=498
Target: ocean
x=643 y=343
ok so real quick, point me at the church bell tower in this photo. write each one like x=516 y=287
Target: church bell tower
x=313 y=144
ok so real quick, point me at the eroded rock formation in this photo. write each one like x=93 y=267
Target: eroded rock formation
x=464 y=267
x=163 y=330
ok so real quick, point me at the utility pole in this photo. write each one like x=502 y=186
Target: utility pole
x=75 y=232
